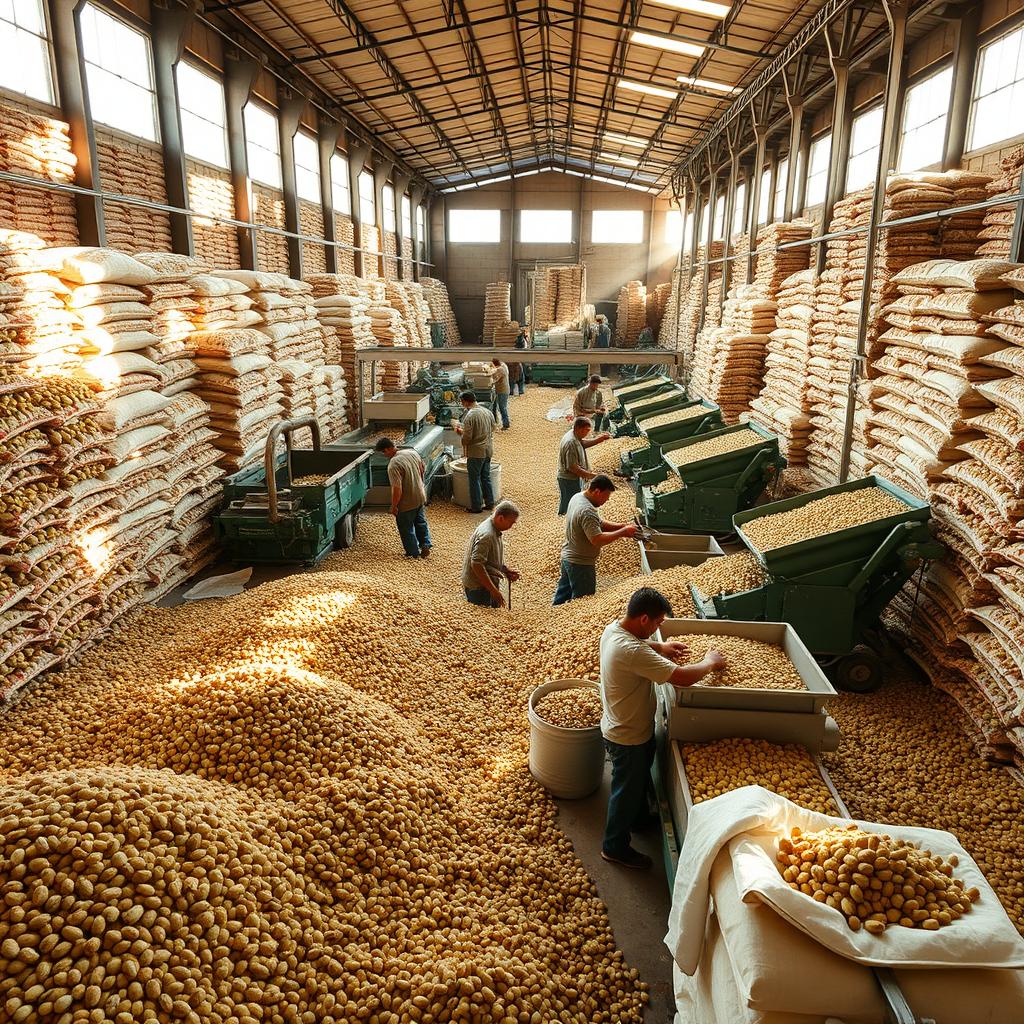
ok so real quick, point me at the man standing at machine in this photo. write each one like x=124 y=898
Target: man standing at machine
x=484 y=565
x=585 y=534
x=590 y=402
x=501 y=389
x=630 y=664
x=477 y=432
x=408 y=497
x=573 y=464
x=516 y=377
x=602 y=338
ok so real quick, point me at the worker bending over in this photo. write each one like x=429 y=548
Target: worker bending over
x=630 y=664
x=501 y=389
x=589 y=402
x=585 y=534
x=477 y=432
x=573 y=464
x=408 y=497
x=484 y=564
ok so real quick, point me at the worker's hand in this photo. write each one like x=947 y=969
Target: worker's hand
x=602 y=410
x=675 y=649
x=714 y=660
x=497 y=601
x=512 y=575
x=603 y=436
x=629 y=531
x=457 y=427
x=394 y=511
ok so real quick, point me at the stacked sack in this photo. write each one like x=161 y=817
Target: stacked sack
x=657 y=304
x=692 y=304
x=344 y=254
x=332 y=411
x=436 y=294
x=211 y=194
x=783 y=404
x=371 y=250
x=390 y=256
x=389 y=331
x=407 y=261
x=342 y=303
x=631 y=315
x=948 y=423
x=131 y=168
x=497 y=308
x=997 y=226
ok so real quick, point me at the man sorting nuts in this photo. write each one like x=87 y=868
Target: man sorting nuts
x=630 y=664
x=484 y=565
x=573 y=463
x=589 y=402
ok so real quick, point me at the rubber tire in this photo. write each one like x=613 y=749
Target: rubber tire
x=860 y=672
x=345 y=532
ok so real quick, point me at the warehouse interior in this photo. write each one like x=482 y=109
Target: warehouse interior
x=256 y=765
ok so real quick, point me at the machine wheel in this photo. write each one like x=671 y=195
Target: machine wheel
x=860 y=672
x=345 y=532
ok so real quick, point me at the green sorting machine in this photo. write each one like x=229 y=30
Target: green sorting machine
x=695 y=417
x=665 y=400
x=271 y=516
x=637 y=387
x=833 y=588
x=713 y=489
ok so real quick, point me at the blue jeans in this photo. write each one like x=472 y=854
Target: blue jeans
x=521 y=384
x=600 y=421
x=480 y=491
x=627 y=803
x=479 y=596
x=413 y=529
x=503 y=409
x=566 y=489
x=575 y=581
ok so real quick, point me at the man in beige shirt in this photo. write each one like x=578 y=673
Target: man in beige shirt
x=501 y=390
x=477 y=431
x=589 y=402
x=484 y=565
x=408 y=497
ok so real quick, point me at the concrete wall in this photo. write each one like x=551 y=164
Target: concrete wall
x=468 y=268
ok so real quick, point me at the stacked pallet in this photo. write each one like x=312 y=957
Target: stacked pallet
x=436 y=294
x=311 y=223
x=497 y=308
x=345 y=232
x=131 y=168
x=210 y=194
x=407 y=261
x=271 y=248
x=37 y=147
x=997 y=227
x=631 y=315
x=390 y=256
x=948 y=424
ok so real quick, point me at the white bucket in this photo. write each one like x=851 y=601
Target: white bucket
x=568 y=763
x=460 y=482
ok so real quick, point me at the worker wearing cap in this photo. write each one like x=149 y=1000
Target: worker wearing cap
x=573 y=463
x=477 y=432
x=585 y=534
x=501 y=389
x=484 y=565
x=408 y=497
x=589 y=402
x=630 y=663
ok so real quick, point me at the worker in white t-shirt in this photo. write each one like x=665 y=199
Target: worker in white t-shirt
x=630 y=665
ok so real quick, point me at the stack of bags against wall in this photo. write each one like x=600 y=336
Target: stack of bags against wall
x=657 y=303
x=570 y=293
x=695 y=306
x=311 y=223
x=271 y=248
x=675 y=299
x=436 y=294
x=210 y=193
x=545 y=296
x=505 y=336
x=949 y=424
x=390 y=256
x=739 y=249
x=631 y=315
x=407 y=299
x=497 y=308
x=389 y=330
x=332 y=411
x=344 y=255
x=133 y=168
x=407 y=268
x=371 y=250
x=37 y=147
x=783 y=404
x=997 y=226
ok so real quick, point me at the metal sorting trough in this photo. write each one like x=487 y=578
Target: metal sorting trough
x=665 y=550
x=670 y=397
x=666 y=433
x=396 y=407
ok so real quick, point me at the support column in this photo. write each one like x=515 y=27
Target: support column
x=896 y=13
x=684 y=201
x=327 y=144
x=730 y=212
x=416 y=195
x=428 y=241
x=795 y=102
x=358 y=154
x=965 y=59
x=695 y=191
x=290 y=108
x=169 y=28
x=800 y=201
x=239 y=76
x=381 y=172
x=709 y=240
x=74 y=98
x=401 y=182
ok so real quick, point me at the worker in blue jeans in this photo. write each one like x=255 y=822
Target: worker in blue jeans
x=585 y=534
x=630 y=664
x=477 y=432
x=573 y=462
x=502 y=388
x=408 y=497
x=484 y=566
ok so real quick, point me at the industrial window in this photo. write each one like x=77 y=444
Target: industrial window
x=477 y=226
x=766 y=197
x=388 y=198
x=421 y=230
x=625 y=227
x=924 y=122
x=341 y=193
x=998 y=91
x=307 y=167
x=688 y=231
x=817 y=170
x=739 y=212
x=262 y=145
x=545 y=226
x=367 y=200
x=26 y=64
x=203 y=120
x=865 y=141
x=119 y=73
x=781 y=174
x=673 y=228
x=406 y=217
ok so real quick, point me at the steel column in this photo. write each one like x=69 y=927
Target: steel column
x=416 y=193
x=800 y=200
x=760 y=150
x=965 y=60
x=74 y=101
x=709 y=247
x=730 y=212
x=358 y=154
x=401 y=183
x=381 y=172
x=795 y=103
x=1017 y=238
x=327 y=135
x=290 y=109
x=239 y=76
x=896 y=13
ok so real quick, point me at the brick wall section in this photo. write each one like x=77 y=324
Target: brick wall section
x=210 y=192
x=268 y=208
x=311 y=222
x=344 y=231
x=133 y=168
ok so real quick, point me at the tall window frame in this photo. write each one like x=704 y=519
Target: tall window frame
x=406 y=217
x=341 y=187
x=307 y=166
x=998 y=94
x=27 y=67
x=865 y=143
x=367 y=198
x=925 y=116
x=262 y=144
x=204 y=131
x=817 y=170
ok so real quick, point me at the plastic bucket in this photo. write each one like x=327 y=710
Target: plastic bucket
x=568 y=763
x=460 y=482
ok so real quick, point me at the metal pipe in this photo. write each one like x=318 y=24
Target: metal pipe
x=706 y=284
x=730 y=213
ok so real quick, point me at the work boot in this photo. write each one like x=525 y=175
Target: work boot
x=629 y=858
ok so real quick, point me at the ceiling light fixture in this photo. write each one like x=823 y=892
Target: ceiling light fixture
x=709 y=10
x=650 y=90
x=626 y=140
x=664 y=43
x=706 y=83
x=627 y=161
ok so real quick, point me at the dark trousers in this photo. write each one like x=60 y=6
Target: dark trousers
x=480 y=491
x=479 y=596
x=631 y=782
x=521 y=384
x=575 y=581
x=413 y=529
x=566 y=489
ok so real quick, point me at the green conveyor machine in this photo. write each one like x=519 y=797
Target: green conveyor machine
x=662 y=428
x=709 y=490
x=637 y=387
x=833 y=588
x=664 y=400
